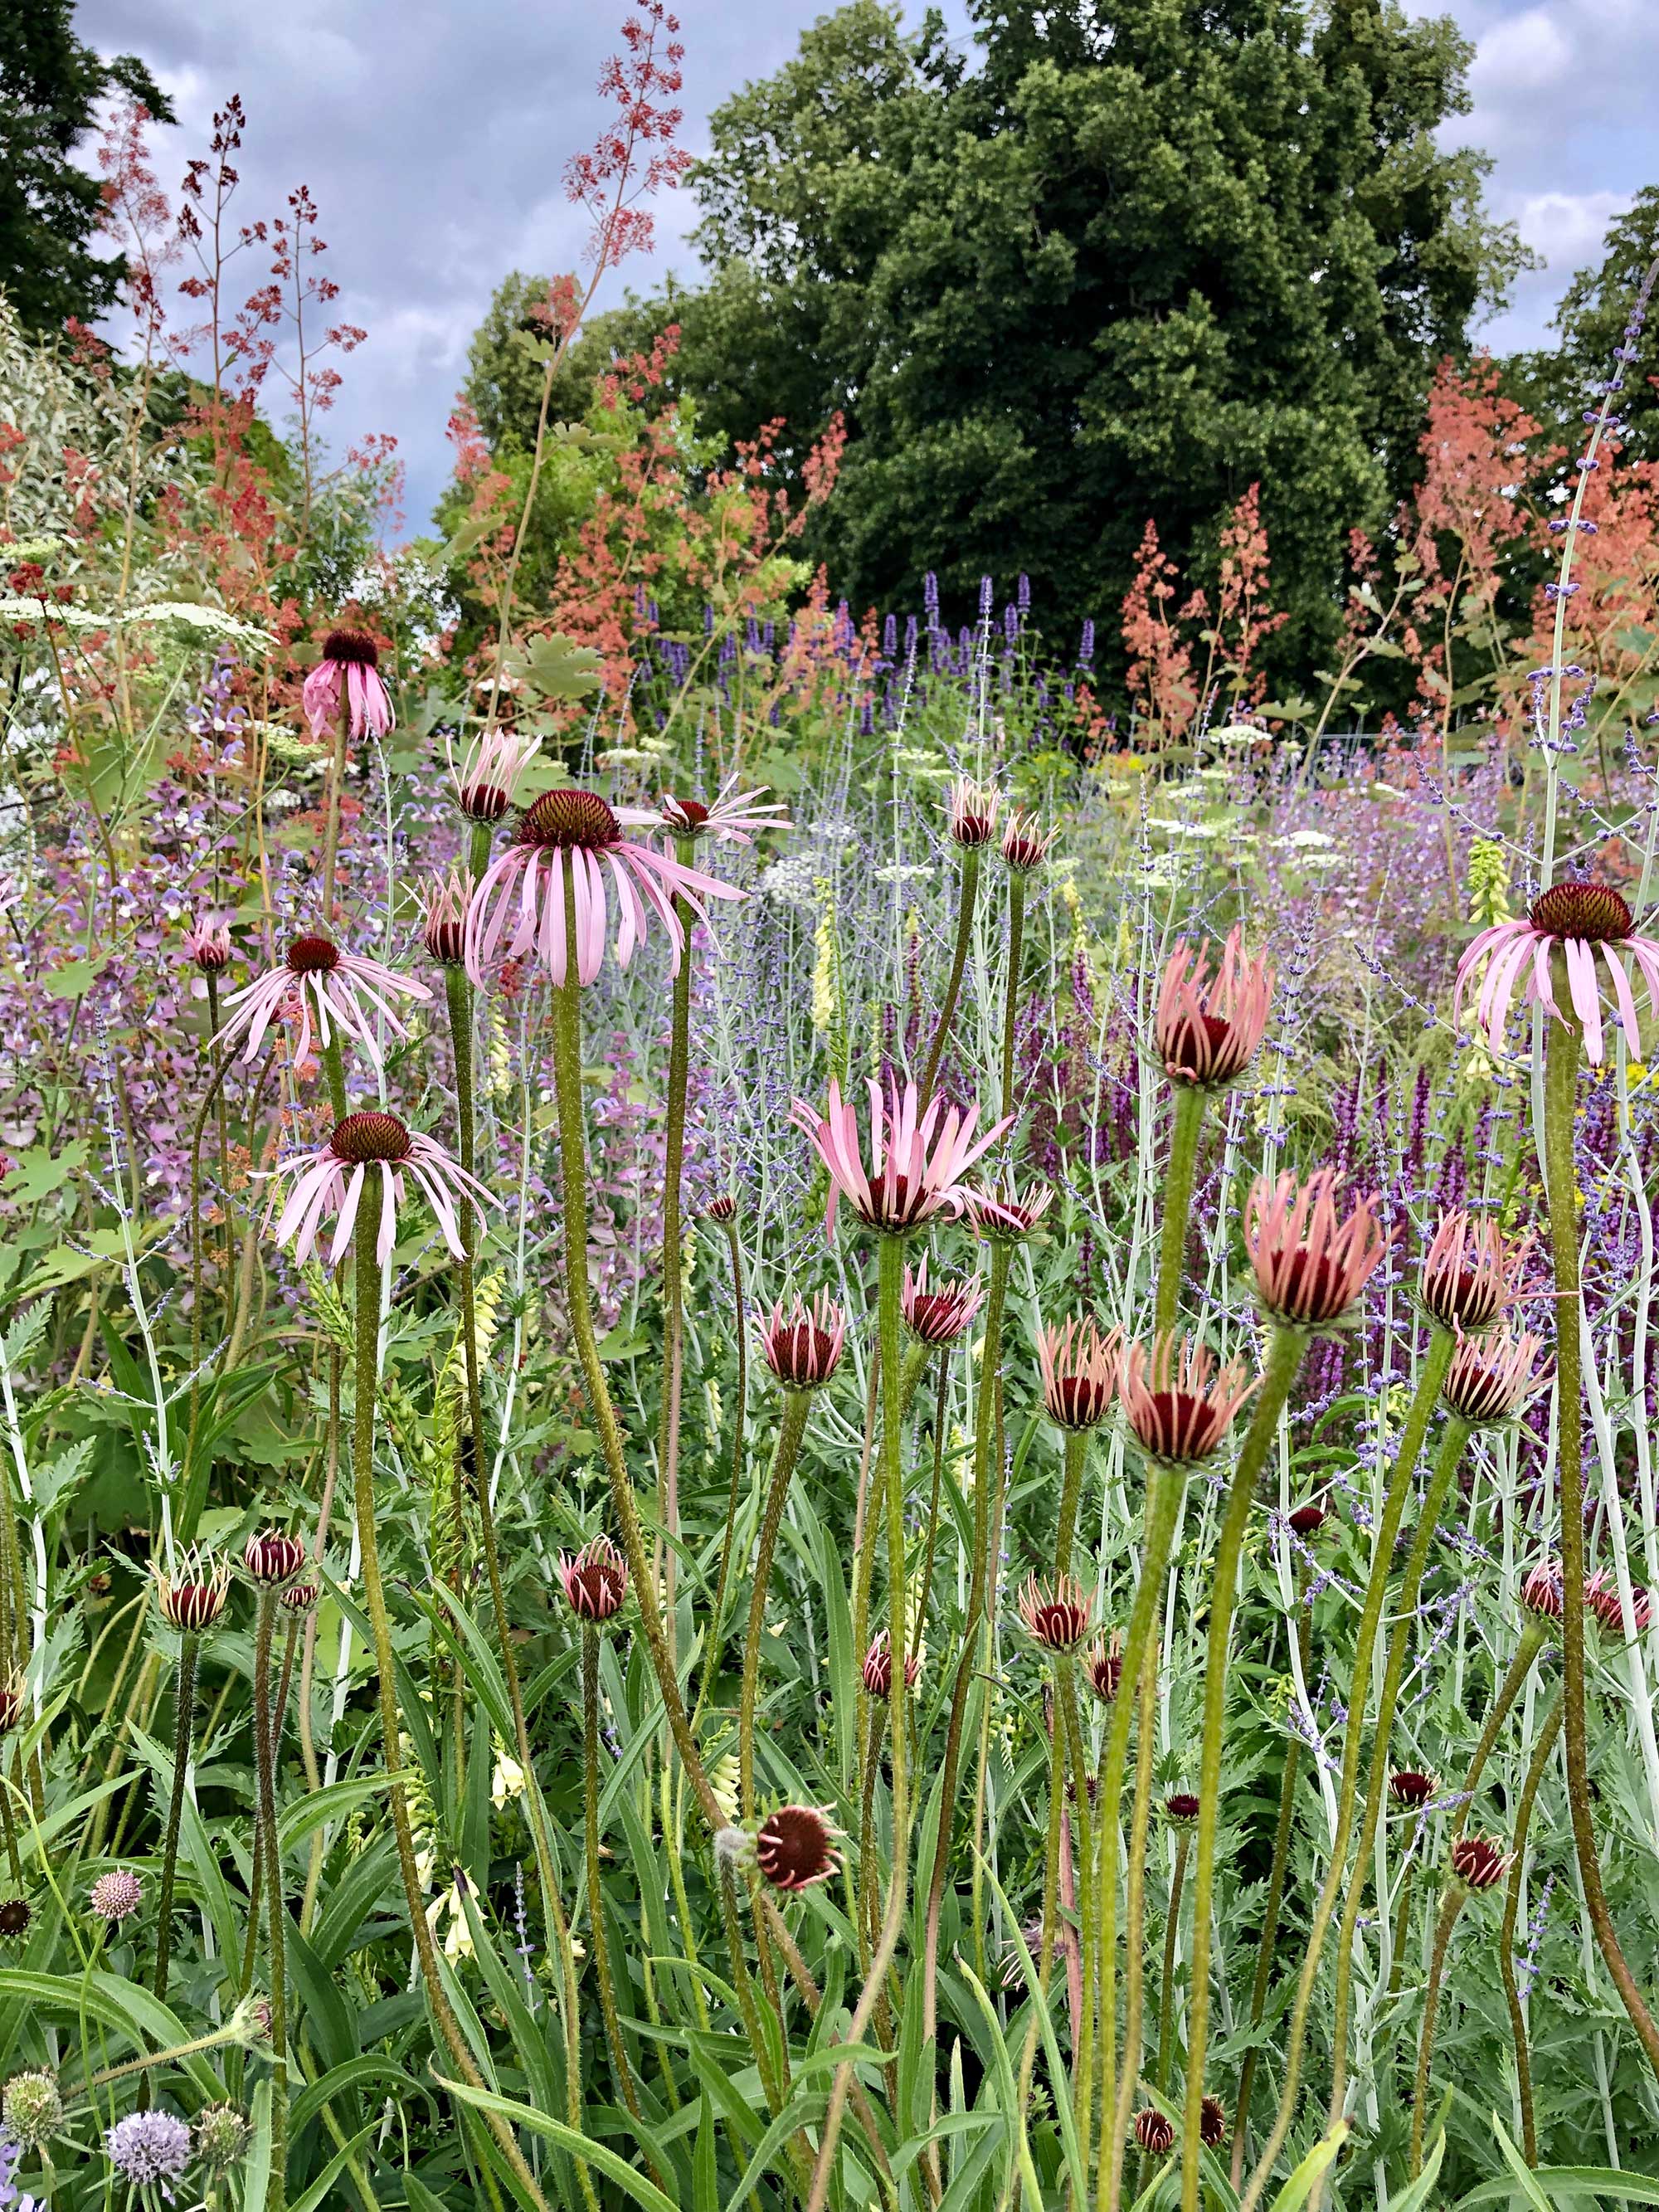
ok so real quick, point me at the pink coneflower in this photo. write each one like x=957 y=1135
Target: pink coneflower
x=1079 y=1373
x=794 y=1847
x=1208 y=1029
x=352 y=658
x=1540 y=1592
x=346 y=990
x=1467 y=1273
x=1478 y=1862
x=1104 y=1666
x=939 y=1313
x=271 y=1558
x=443 y=925
x=300 y=1597
x=578 y=830
x=1574 y=918
x=486 y=784
x=1411 y=1789
x=1179 y=1401
x=1490 y=1379
x=802 y=1343
x=1602 y=1595
x=1025 y=842
x=918 y=1159
x=733 y=816
x=191 y=1595
x=1155 y=2135
x=721 y=1208
x=878 y=1667
x=974 y=809
x=331 y=1182
x=1056 y=1618
x=207 y=942
x=594 y=1581
x=1002 y=1215
x=1310 y=1268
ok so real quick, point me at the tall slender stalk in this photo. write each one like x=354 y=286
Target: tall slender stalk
x=673 y=1284
x=183 y=1732
x=1171 y=1934
x=967 y=899
x=740 y=1340
x=624 y=2072
x=264 y=1761
x=1542 y=1752
x=1011 y=989
x=1531 y=1643
x=890 y=1281
x=1450 y=1905
x=337 y=768
x=1190 y=1099
x=790 y=1431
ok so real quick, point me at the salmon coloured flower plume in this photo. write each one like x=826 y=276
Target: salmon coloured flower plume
x=486 y=784
x=345 y=990
x=1310 y=1268
x=350 y=661
x=525 y=887
x=1576 y=919
x=733 y=816
x=917 y=1160
x=331 y=1182
x=1208 y=1028
x=1179 y=1401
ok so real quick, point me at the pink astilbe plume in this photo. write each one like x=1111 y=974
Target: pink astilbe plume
x=350 y=663
x=329 y=1183
x=1577 y=919
x=346 y=990
x=917 y=1160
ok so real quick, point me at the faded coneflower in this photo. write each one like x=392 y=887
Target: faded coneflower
x=1055 y=1617
x=802 y=1343
x=344 y=990
x=594 y=1580
x=1310 y=1268
x=721 y=1208
x=271 y=1559
x=443 y=925
x=938 y=1313
x=329 y=1184
x=732 y=817
x=525 y=887
x=1179 y=1401
x=794 y=1847
x=486 y=784
x=32 y=2106
x=1490 y=1379
x=1208 y=1028
x=12 y=1696
x=352 y=660
x=191 y=1595
x=222 y=2136
x=207 y=942
x=917 y=1157
x=1575 y=920
x=1602 y=1595
x=1212 y=2123
x=878 y=1667
x=1080 y=1369
x=1025 y=843
x=1468 y=1274
x=972 y=814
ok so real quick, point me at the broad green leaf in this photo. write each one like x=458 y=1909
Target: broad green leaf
x=598 y=2155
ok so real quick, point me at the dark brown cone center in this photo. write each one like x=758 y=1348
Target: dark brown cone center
x=933 y=1316
x=312 y=955
x=795 y=1845
x=1196 y=1043
x=1313 y=1286
x=566 y=819
x=1593 y=913
x=372 y=1136
x=353 y=646
x=802 y=1352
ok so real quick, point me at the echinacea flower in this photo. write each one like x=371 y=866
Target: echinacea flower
x=1155 y=2135
x=117 y=1895
x=207 y=942
x=878 y=1667
x=1025 y=842
x=191 y=1594
x=1306 y=1521
x=443 y=925
x=1540 y=1592
x=1411 y=1789
x=1212 y=2123
x=345 y=989
x=594 y=1581
x=486 y=784
x=12 y=1694
x=1104 y=1667
x=794 y=1847
x=1058 y=1617
x=1490 y=1379
x=1310 y=1268
x=802 y=1345
x=1467 y=1273
x=148 y=2149
x=1602 y=1595
x=1003 y=1214
x=1478 y=1862
x=733 y=816
x=578 y=832
x=939 y=1313
x=1080 y=1369
x=331 y=1182
x=351 y=660
x=17 y=1920
x=299 y=1597
x=1181 y=1809
x=271 y=1558
x=917 y=1157
x=1575 y=920
x=720 y=1209
x=1208 y=1028
x=974 y=811
x=1178 y=1399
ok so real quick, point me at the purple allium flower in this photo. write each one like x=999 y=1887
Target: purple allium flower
x=148 y=2148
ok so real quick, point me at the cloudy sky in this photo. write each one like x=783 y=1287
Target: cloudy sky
x=433 y=134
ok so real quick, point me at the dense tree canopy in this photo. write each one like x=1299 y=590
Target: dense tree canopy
x=50 y=84
x=1559 y=383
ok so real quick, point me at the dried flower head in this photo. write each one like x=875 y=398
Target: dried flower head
x=1079 y=1373
x=1540 y=1592
x=1208 y=1029
x=802 y=1343
x=343 y=989
x=117 y=1895
x=1577 y=919
x=350 y=663
x=1411 y=1790
x=878 y=1667
x=222 y=2136
x=1602 y=1595
x=918 y=1156
x=794 y=1847
x=443 y=925
x=1105 y=1667
x=1178 y=1400
x=1212 y=2123
x=595 y=1582
x=1478 y=1862
x=1310 y=1268
x=940 y=1313
x=1002 y=1215
x=974 y=811
x=1056 y=1618
x=1492 y=1377
x=365 y=1148
x=191 y=1595
x=207 y=943
x=31 y=2108
x=1469 y=1273
x=1155 y=2135
x=272 y=1559
x=486 y=784
x=1025 y=843
x=1181 y=1809
x=148 y=2149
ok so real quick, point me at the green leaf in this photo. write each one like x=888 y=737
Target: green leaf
x=1319 y=2161
x=557 y=668
x=34 y=1174
x=598 y=2155
x=73 y=980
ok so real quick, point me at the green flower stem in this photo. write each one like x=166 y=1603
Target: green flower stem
x=1561 y=1089
x=947 y=1014
x=1166 y=1995
x=1190 y=1101
x=1071 y=1489
x=990 y=1365
x=264 y=1759
x=745 y=1990
x=1402 y=1930
x=1541 y=1755
x=673 y=1286
x=1450 y=1905
x=1082 y=2052
x=623 y=2071
x=988 y=1634
x=867 y=1894
x=1011 y=995
x=1531 y=1643
x=175 y=2054
x=1454 y=1438
x=1045 y=1958
x=1413 y=1430
x=334 y=1070
x=182 y=1731
x=1281 y=1859
x=791 y=1429
x=739 y=1336
x=1118 y=2095
x=218 y=1085
x=1284 y=1350
x=366 y=1268
x=890 y=1278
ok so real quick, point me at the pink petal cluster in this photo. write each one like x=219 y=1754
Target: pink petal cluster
x=345 y=989
x=1209 y=1027
x=734 y=817
x=1310 y=1267
x=329 y=1184
x=349 y=664
x=917 y=1160
x=1575 y=920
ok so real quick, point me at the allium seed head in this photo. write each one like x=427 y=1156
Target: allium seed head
x=802 y=1345
x=1056 y=1618
x=794 y=1847
x=1179 y=1401
x=594 y=1581
x=1478 y=1862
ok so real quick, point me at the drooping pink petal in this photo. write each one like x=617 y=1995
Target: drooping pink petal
x=346 y=1220
x=1586 y=998
x=1625 y=999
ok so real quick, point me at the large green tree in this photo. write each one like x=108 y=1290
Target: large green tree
x=50 y=84
x=1598 y=340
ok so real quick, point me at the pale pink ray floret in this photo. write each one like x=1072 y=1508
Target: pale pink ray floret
x=519 y=907
x=1577 y=919
x=734 y=817
x=917 y=1160
x=344 y=990
x=329 y=1185
x=351 y=662
x=486 y=783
